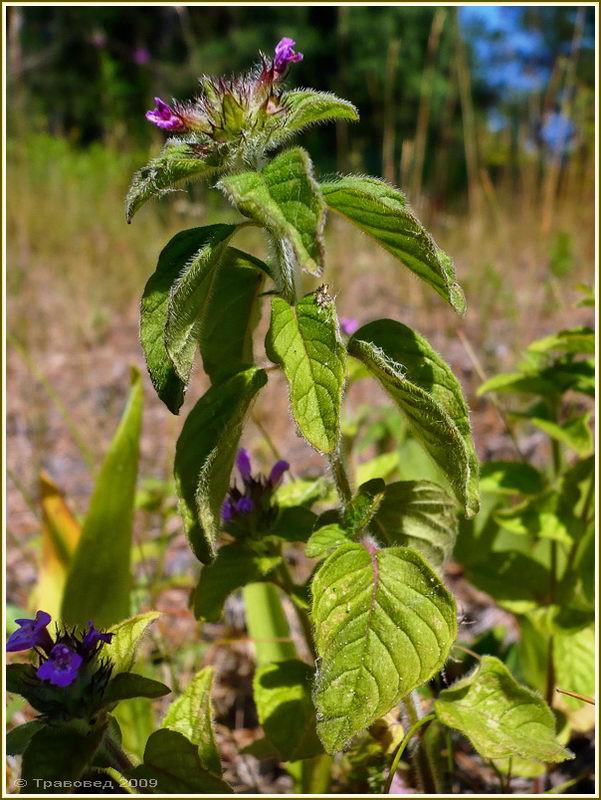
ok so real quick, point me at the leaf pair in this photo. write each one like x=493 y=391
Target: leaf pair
x=202 y=294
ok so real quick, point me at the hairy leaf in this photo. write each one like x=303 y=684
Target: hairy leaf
x=205 y=455
x=225 y=335
x=128 y=684
x=425 y=389
x=174 y=762
x=384 y=214
x=384 y=624
x=126 y=638
x=301 y=108
x=103 y=554
x=325 y=540
x=361 y=509
x=57 y=754
x=175 y=258
x=176 y=164
x=234 y=567
x=286 y=200
x=418 y=514
x=304 y=339
x=192 y=716
x=60 y=536
x=18 y=738
x=282 y=694
x=187 y=309
x=500 y=717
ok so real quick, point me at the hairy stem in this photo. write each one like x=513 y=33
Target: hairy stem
x=341 y=479
x=424 y=769
x=119 y=759
x=403 y=746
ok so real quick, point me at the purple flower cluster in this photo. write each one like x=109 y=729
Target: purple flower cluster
x=257 y=91
x=61 y=660
x=251 y=508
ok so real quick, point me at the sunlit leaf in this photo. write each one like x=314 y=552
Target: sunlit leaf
x=384 y=624
x=126 y=639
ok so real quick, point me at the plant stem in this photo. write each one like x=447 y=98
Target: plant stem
x=119 y=760
x=426 y=773
x=341 y=479
x=315 y=774
x=267 y=624
x=403 y=746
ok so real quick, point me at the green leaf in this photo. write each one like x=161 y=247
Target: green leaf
x=103 y=554
x=533 y=383
x=421 y=515
x=293 y=524
x=325 y=540
x=282 y=694
x=175 y=258
x=57 y=753
x=286 y=200
x=192 y=716
x=126 y=685
x=382 y=466
x=383 y=213
x=362 y=507
x=500 y=717
x=174 y=762
x=234 y=567
x=384 y=624
x=127 y=636
x=205 y=455
x=575 y=433
x=302 y=492
x=574 y=657
x=304 y=107
x=232 y=312
x=304 y=340
x=425 y=389
x=510 y=477
x=188 y=306
x=178 y=162
x=18 y=738
x=571 y=340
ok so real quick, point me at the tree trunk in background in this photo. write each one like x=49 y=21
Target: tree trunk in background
x=388 y=137
x=554 y=167
x=342 y=156
x=423 y=114
x=469 y=123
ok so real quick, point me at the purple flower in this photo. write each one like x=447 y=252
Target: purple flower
x=243 y=464
x=227 y=510
x=164 y=117
x=32 y=633
x=93 y=636
x=141 y=56
x=349 y=325
x=61 y=666
x=285 y=55
x=278 y=469
x=244 y=505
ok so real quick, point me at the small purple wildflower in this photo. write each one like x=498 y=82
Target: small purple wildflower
x=164 y=117
x=244 y=505
x=349 y=325
x=141 y=56
x=284 y=55
x=227 y=510
x=32 y=633
x=93 y=636
x=277 y=471
x=61 y=667
x=243 y=464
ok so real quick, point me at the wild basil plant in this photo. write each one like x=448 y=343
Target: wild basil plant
x=377 y=619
